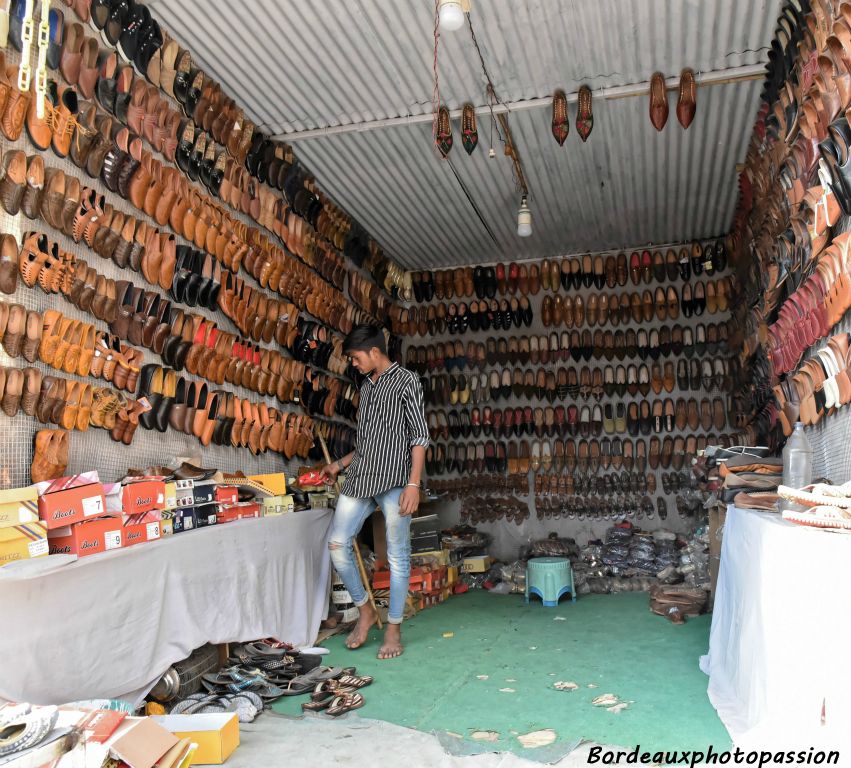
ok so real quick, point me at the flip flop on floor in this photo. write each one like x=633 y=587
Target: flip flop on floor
x=345 y=702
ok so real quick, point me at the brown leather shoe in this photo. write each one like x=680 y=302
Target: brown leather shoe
x=658 y=101
x=40 y=129
x=8 y=264
x=17 y=104
x=13 y=181
x=687 y=99
x=50 y=458
x=65 y=121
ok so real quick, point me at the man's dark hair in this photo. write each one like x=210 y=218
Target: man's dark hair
x=363 y=338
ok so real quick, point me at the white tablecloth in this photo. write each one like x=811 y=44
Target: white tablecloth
x=780 y=644
x=111 y=624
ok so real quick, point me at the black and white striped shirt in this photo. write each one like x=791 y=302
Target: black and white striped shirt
x=390 y=422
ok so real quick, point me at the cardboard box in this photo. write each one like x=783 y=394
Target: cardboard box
x=18 y=506
x=244 y=511
x=205 y=515
x=274 y=482
x=426 y=543
x=167 y=526
x=277 y=505
x=70 y=500
x=140 y=533
x=184 y=520
x=434 y=579
x=184 y=493
x=452 y=575
x=87 y=538
x=479 y=564
x=717 y=518
x=320 y=500
x=435 y=556
x=226 y=494
x=204 y=493
x=23 y=542
x=381 y=579
x=143 y=496
x=216 y=734
x=170 y=491
x=142 y=743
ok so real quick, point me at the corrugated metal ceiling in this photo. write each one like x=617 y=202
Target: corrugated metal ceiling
x=302 y=65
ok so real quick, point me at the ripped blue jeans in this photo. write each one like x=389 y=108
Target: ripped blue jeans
x=349 y=517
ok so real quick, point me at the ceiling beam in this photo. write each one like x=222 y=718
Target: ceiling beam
x=702 y=79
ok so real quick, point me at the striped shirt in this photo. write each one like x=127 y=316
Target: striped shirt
x=390 y=422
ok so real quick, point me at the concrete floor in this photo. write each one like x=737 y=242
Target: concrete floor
x=275 y=739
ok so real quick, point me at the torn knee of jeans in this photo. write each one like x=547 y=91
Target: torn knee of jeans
x=334 y=545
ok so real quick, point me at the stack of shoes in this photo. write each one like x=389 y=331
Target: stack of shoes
x=677 y=602
x=750 y=473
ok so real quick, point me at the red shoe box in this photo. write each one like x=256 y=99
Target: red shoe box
x=70 y=500
x=87 y=538
x=140 y=533
x=230 y=512
x=143 y=496
x=381 y=579
x=226 y=494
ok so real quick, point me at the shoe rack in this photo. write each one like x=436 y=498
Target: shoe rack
x=790 y=236
x=603 y=411
x=298 y=393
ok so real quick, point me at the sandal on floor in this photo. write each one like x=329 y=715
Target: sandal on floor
x=344 y=703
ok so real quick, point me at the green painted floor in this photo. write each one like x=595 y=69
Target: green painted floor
x=452 y=684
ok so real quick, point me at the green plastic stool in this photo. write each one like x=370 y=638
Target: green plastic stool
x=549 y=578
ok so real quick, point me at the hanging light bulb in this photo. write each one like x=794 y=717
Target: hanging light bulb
x=524 y=219
x=451 y=15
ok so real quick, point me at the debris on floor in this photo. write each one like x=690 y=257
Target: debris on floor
x=482 y=677
x=618 y=707
x=537 y=739
x=560 y=618
x=448 y=634
x=565 y=685
x=491 y=736
x=507 y=690
x=606 y=700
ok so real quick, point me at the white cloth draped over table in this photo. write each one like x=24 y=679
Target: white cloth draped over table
x=781 y=628
x=110 y=625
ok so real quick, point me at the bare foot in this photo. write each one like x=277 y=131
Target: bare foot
x=358 y=636
x=392 y=645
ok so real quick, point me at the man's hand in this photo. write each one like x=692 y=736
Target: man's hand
x=329 y=473
x=409 y=501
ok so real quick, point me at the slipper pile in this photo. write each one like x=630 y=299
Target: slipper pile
x=262 y=672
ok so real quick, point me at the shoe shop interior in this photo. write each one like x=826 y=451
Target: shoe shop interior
x=453 y=381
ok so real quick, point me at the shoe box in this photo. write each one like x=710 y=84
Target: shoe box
x=22 y=535
x=425 y=534
x=18 y=506
x=89 y=537
x=277 y=505
x=70 y=500
x=477 y=564
x=143 y=496
x=189 y=518
x=195 y=493
x=241 y=511
x=381 y=580
x=140 y=528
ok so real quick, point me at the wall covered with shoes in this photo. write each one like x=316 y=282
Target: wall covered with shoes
x=173 y=282
x=790 y=237
x=576 y=389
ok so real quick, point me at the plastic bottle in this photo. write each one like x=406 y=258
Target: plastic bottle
x=797 y=463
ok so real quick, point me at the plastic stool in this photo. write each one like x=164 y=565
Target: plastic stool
x=549 y=578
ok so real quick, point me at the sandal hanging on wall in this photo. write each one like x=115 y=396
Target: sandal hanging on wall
x=561 y=124
x=443 y=139
x=658 y=101
x=469 y=134
x=687 y=101
x=584 y=117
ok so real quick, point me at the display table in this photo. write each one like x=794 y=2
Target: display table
x=779 y=645
x=110 y=625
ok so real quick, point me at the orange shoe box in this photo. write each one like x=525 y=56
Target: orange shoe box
x=381 y=579
x=143 y=496
x=87 y=538
x=70 y=500
x=139 y=533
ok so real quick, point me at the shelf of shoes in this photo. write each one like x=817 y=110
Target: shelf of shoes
x=789 y=236
x=588 y=417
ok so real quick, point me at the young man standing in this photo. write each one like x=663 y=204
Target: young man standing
x=385 y=469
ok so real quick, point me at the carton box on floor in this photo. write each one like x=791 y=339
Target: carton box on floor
x=70 y=500
x=22 y=542
x=381 y=579
x=478 y=564
x=87 y=538
x=18 y=506
x=216 y=734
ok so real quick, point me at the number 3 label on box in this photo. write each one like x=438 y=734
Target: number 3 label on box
x=112 y=540
x=93 y=506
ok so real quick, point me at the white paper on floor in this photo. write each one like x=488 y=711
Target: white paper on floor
x=537 y=739
x=565 y=685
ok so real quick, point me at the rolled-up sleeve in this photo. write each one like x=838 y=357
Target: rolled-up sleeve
x=415 y=421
